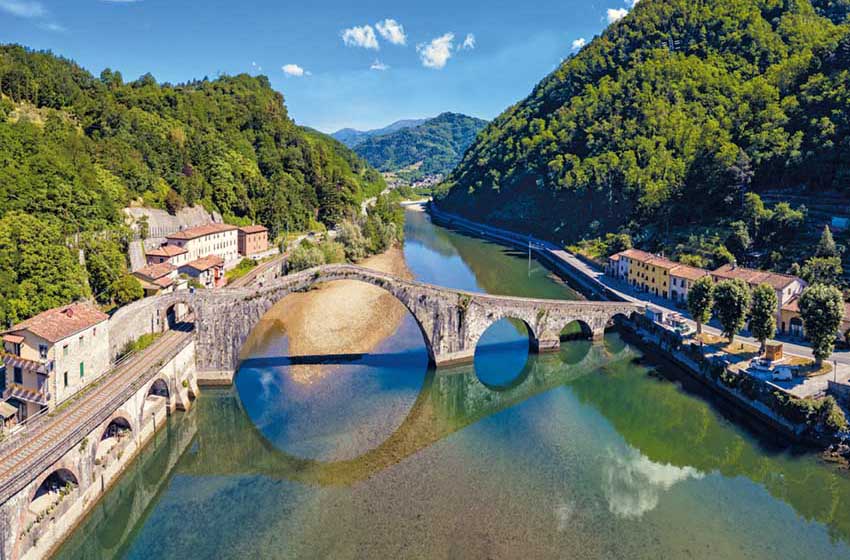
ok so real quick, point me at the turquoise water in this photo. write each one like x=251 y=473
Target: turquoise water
x=587 y=453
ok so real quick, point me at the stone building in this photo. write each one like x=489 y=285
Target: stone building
x=158 y=278
x=208 y=271
x=53 y=355
x=682 y=277
x=171 y=254
x=221 y=240
x=253 y=240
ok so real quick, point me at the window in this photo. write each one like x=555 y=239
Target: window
x=65 y=375
x=19 y=375
x=42 y=351
x=94 y=332
x=82 y=340
x=82 y=369
x=65 y=351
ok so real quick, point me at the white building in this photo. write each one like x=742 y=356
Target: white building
x=171 y=254
x=221 y=240
x=51 y=356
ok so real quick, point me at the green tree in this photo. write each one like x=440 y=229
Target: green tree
x=701 y=301
x=822 y=309
x=822 y=270
x=105 y=263
x=738 y=242
x=731 y=305
x=826 y=246
x=351 y=237
x=126 y=289
x=37 y=269
x=763 y=314
x=306 y=255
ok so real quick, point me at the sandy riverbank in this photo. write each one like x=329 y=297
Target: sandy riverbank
x=345 y=317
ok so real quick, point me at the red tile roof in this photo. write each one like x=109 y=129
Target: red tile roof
x=206 y=263
x=201 y=231
x=59 y=323
x=167 y=251
x=688 y=272
x=755 y=277
x=253 y=229
x=156 y=271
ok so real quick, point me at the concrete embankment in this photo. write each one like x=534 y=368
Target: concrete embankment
x=544 y=251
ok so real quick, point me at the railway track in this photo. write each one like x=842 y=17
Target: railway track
x=54 y=436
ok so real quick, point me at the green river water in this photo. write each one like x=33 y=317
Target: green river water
x=588 y=453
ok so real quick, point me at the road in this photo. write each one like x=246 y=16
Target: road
x=50 y=437
x=595 y=277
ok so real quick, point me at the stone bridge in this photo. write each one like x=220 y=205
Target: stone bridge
x=451 y=321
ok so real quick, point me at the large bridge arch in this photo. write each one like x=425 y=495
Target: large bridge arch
x=451 y=321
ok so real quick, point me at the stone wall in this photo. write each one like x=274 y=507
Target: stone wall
x=24 y=535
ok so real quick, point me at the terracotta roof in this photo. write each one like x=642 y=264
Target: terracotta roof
x=156 y=271
x=13 y=338
x=164 y=282
x=201 y=231
x=59 y=323
x=636 y=254
x=688 y=272
x=167 y=251
x=793 y=306
x=205 y=263
x=614 y=257
x=253 y=229
x=755 y=277
x=7 y=410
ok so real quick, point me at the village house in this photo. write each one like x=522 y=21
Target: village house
x=221 y=240
x=787 y=287
x=682 y=277
x=51 y=356
x=171 y=254
x=160 y=278
x=791 y=321
x=208 y=271
x=253 y=240
x=646 y=272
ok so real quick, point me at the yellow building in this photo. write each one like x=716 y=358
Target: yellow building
x=648 y=272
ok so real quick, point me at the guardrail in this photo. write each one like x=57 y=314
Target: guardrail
x=32 y=422
x=14 y=483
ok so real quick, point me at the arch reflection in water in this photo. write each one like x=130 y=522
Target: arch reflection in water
x=447 y=402
x=331 y=406
x=502 y=354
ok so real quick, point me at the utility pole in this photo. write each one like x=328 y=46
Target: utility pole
x=529 y=256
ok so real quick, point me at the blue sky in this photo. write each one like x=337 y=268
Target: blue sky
x=360 y=64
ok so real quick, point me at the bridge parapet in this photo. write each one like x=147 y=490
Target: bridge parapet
x=451 y=321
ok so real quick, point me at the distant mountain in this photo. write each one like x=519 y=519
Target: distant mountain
x=433 y=147
x=351 y=137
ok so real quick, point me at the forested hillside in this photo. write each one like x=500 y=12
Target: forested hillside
x=663 y=123
x=75 y=149
x=434 y=147
x=351 y=137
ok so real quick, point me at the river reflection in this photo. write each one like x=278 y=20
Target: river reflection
x=582 y=454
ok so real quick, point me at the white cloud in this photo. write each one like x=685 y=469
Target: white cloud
x=53 y=26
x=438 y=52
x=256 y=67
x=634 y=484
x=363 y=36
x=379 y=66
x=23 y=8
x=468 y=42
x=579 y=43
x=294 y=70
x=616 y=14
x=392 y=31
x=631 y=3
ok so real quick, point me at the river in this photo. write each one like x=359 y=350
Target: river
x=591 y=452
